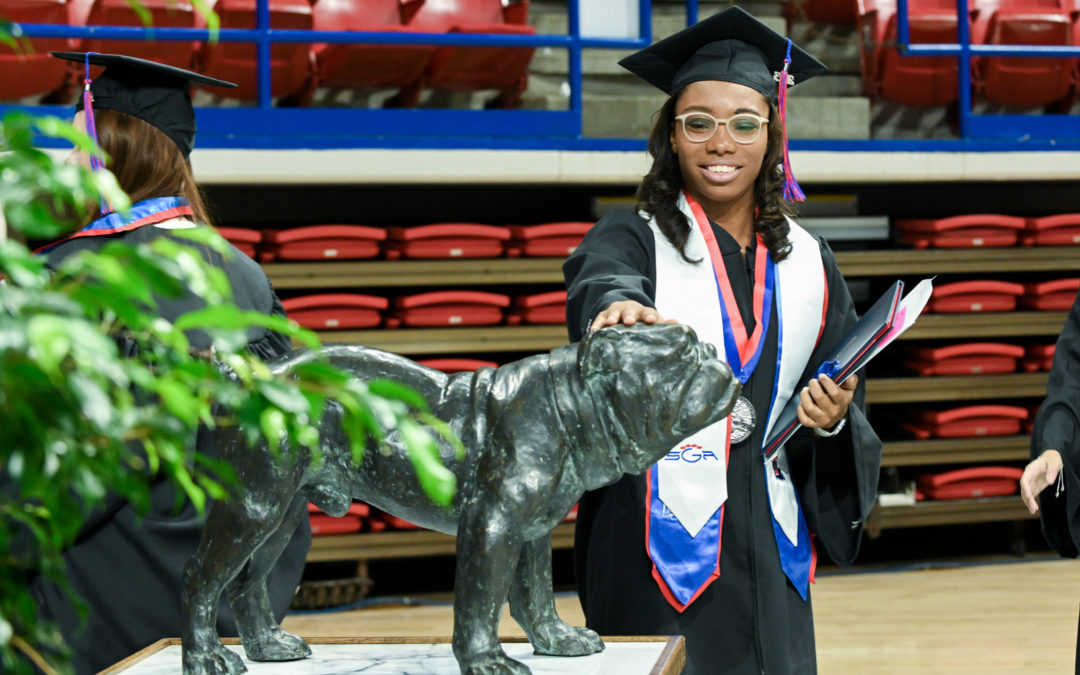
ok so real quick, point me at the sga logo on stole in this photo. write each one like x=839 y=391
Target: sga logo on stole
x=690 y=453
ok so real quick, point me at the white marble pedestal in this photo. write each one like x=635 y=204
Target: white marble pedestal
x=423 y=656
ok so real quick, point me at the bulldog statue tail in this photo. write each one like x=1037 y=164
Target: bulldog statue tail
x=538 y=433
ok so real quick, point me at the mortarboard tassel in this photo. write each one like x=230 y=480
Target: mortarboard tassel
x=96 y=163
x=792 y=191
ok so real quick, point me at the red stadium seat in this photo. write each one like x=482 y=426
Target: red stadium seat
x=336 y=311
x=1054 y=296
x=967 y=421
x=836 y=12
x=975 y=296
x=291 y=67
x=352 y=521
x=970 y=483
x=973 y=358
x=539 y=308
x=908 y=80
x=1038 y=358
x=477 y=68
x=1058 y=230
x=1016 y=81
x=30 y=70
x=367 y=66
x=447 y=240
x=967 y=231
x=457 y=364
x=322 y=242
x=448 y=308
x=550 y=240
x=245 y=239
x=163 y=14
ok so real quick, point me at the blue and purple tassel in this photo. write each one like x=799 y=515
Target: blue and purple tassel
x=97 y=162
x=792 y=191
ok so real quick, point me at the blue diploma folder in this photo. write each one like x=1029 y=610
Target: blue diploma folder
x=850 y=354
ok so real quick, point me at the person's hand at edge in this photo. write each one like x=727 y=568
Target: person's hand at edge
x=1039 y=474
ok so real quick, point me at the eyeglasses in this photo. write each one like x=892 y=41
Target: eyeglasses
x=742 y=128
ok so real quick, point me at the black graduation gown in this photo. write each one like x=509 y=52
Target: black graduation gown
x=751 y=619
x=1056 y=428
x=127 y=566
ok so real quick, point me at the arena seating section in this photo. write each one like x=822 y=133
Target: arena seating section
x=929 y=81
x=296 y=69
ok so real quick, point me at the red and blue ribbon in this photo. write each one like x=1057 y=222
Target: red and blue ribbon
x=685 y=565
x=146 y=212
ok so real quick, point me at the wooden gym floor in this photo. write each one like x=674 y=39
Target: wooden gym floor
x=998 y=617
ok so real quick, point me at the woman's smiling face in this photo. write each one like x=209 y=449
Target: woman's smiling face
x=719 y=170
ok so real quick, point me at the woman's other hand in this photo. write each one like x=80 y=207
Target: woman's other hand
x=627 y=312
x=823 y=403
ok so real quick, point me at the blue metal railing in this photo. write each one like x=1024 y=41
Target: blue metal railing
x=270 y=127
x=1017 y=128
x=266 y=126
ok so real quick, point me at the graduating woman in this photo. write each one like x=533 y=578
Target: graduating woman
x=126 y=565
x=715 y=542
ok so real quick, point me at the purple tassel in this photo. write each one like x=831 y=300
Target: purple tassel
x=96 y=161
x=792 y=191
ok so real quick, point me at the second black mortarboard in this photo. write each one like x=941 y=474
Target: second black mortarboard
x=731 y=46
x=154 y=92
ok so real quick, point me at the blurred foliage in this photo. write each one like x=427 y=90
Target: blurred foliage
x=81 y=419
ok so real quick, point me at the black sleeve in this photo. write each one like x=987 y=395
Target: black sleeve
x=271 y=344
x=837 y=476
x=1056 y=426
x=615 y=261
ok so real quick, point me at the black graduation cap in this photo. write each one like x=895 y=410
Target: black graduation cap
x=731 y=46
x=154 y=92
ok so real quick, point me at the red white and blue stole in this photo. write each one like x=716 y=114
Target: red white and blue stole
x=686 y=490
x=147 y=212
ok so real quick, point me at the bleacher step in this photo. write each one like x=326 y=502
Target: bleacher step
x=553 y=61
x=835 y=46
x=631 y=115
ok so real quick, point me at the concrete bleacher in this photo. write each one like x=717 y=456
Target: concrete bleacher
x=618 y=105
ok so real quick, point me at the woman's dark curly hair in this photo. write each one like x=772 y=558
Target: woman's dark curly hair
x=658 y=194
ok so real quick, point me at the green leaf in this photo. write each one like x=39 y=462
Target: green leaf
x=398 y=392
x=21 y=267
x=178 y=400
x=6 y=631
x=213 y=21
x=438 y=482
x=272 y=423
x=142 y=12
x=230 y=318
x=445 y=432
x=49 y=341
x=55 y=127
x=94 y=400
x=284 y=396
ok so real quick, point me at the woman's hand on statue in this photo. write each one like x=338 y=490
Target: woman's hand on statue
x=627 y=312
x=823 y=403
x=1039 y=474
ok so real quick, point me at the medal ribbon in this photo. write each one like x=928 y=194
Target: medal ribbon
x=743 y=351
x=146 y=212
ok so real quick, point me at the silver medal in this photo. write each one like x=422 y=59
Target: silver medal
x=743 y=420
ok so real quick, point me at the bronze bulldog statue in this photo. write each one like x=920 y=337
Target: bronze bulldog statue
x=538 y=433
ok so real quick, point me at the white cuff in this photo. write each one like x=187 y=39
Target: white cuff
x=823 y=433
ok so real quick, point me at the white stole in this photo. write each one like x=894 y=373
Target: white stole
x=687 y=293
